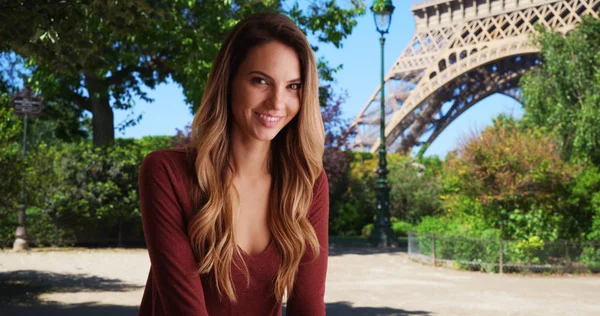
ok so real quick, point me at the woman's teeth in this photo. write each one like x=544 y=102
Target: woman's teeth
x=269 y=118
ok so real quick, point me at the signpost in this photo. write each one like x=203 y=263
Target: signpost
x=27 y=105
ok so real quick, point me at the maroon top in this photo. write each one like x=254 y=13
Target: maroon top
x=173 y=289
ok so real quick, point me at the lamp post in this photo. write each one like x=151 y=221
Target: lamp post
x=27 y=105
x=382 y=234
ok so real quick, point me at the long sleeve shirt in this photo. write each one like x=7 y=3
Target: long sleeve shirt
x=174 y=287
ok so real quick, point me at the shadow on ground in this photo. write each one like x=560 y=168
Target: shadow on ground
x=20 y=293
x=346 y=309
x=70 y=310
x=335 y=251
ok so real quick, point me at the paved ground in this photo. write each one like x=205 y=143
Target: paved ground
x=360 y=282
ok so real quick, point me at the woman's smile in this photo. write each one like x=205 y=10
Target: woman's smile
x=267 y=120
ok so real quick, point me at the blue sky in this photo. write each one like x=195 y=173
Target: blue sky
x=360 y=57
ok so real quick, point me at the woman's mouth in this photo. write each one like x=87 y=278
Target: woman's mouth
x=267 y=120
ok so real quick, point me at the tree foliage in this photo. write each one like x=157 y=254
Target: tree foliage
x=512 y=179
x=336 y=157
x=415 y=189
x=99 y=56
x=563 y=94
x=11 y=163
x=76 y=191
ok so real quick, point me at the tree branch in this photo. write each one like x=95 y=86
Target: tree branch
x=156 y=64
x=82 y=101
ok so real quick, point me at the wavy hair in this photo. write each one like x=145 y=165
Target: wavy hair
x=295 y=161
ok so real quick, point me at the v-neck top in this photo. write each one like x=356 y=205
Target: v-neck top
x=173 y=286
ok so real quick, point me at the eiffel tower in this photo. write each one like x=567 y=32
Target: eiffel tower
x=462 y=51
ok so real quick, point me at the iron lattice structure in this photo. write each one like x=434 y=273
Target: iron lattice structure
x=462 y=51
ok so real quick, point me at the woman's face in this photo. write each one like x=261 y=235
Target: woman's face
x=265 y=92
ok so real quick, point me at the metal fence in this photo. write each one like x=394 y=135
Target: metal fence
x=505 y=256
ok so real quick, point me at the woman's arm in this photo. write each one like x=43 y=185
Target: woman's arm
x=173 y=264
x=308 y=294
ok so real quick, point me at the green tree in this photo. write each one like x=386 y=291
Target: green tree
x=415 y=188
x=11 y=163
x=101 y=55
x=583 y=204
x=563 y=94
x=355 y=208
x=56 y=122
x=510 y=178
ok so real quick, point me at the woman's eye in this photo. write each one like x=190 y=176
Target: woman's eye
x=295 y=86
x=258 y=80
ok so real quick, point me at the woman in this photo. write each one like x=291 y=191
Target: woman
x=239 y=222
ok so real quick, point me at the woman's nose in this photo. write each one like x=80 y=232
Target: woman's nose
x=278 y=99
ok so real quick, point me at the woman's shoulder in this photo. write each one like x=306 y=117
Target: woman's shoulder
x=320 y=196
x=321 y=183
x=173 y=154
x=173 y=161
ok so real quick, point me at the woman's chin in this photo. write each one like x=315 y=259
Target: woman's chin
x=264 y=136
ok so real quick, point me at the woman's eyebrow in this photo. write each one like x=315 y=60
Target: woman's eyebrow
x=258 y=72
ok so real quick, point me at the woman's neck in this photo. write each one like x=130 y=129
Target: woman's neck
x=249 y=157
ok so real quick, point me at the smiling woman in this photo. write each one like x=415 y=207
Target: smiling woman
x=237 y=223
x=265 y=92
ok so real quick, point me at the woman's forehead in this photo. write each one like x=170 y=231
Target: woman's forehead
x=275 y=59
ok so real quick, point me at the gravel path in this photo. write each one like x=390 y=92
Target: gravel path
x=360 y=282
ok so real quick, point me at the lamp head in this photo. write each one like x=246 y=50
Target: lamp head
x=382 y=12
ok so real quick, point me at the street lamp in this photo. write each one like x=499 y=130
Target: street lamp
x=382 y=234
x=27 y=105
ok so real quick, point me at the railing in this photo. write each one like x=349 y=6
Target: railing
x=505 y=256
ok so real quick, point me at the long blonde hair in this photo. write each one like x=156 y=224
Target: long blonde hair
x=295 y=161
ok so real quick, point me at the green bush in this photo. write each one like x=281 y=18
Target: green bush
x=12 y=166
x=348 y=215
x=590 y=256
x=400 y=228
x=415 y=187
x=514 y=180
x=458 y=238
x=148 y=144
x=75 y=191
x=415 y=190
x=582 y=206
x=43 y=229
x=98 y=189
